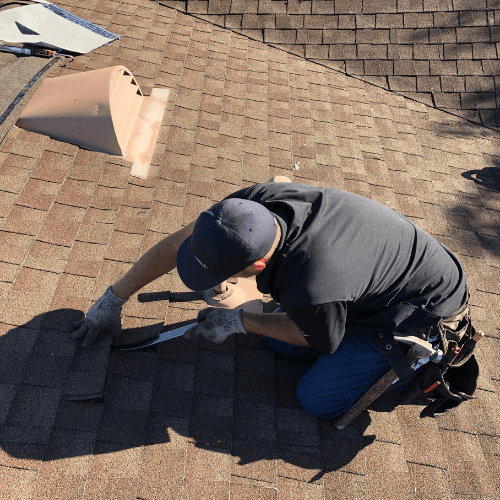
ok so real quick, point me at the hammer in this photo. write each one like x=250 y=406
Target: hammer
x=419 y=349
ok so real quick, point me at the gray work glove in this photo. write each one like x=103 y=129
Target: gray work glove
x=216 y=324
x=105 y=313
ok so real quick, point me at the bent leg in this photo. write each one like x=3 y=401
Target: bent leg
x=336 y=381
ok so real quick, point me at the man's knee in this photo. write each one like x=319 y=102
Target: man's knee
x=320 y=404
x=310 y=400
x=307 y=401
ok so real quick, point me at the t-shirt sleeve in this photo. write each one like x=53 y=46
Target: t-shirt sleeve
x=322 y=325
x=260 y=193
x=241 y=193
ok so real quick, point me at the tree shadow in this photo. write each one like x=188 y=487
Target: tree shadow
x=476 y=209
x=235 y=398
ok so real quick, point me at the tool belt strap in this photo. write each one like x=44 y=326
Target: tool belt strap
x=453 y=331
x=453 y=379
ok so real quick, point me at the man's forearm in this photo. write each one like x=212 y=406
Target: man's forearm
x=277 y=326
x=156 y=262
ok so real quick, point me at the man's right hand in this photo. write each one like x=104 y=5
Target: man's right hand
x=104 y=314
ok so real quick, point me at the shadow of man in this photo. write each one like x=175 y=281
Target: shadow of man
x=152 y=397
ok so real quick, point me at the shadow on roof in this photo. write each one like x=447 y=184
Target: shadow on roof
x=176 y=392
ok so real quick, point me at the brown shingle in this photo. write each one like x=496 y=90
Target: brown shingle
x=211 y=104
x=76 y=193
x=384 y=484
x=255 y=147
x=8 y=272
x=430 y=481
x=173 y=193
x=194 y=206
x=206 y=137
x=231 y=124
x=179 y=140
x=85 y=259
x=124 y=247
x=52 y=167
x=257 y=493
x=162 y=462
x=13 y=178
x=75 y=286
x=38 y=194
x=6 y=203
x=256 y=91
x=107 y=198
x=61 y=225
x=256 y=109
x=200 y=181
x=345 y=483
x=230 y=147
x=47 y=257
x=114 y=176
x=109 y=460
x=256 y=129
x=13 y=246
x=131 y=220
x=110 y=487
x=24 y=220
x=29 y=144
x=18 y=482
x=57 y=485
x=413 y=440
x=209 y=120
x=95 y=232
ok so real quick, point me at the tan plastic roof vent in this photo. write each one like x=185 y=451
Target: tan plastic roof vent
x=102 y=110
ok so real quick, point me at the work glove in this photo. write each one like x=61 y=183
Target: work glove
x=104 y=314
x=216 y=324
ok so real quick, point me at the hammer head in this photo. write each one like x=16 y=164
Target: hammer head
x=420 y=348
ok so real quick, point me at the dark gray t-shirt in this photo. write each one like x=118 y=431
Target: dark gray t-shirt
x=345 y=260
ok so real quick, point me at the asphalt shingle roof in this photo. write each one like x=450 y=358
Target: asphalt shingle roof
x=192 y=419
x=440 y=53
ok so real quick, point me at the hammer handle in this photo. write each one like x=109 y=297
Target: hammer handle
x=367 y=398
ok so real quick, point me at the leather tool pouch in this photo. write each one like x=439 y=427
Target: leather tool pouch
x=453 y=379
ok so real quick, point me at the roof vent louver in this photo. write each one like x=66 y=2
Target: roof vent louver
x=102 y=110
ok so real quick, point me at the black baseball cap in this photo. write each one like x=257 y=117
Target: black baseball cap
x=227 y=238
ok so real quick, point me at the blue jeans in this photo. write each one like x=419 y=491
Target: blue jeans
x=336 y=381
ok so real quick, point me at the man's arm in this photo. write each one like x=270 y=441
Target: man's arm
x=106 y=312
x=277 y=326
x=156 y=262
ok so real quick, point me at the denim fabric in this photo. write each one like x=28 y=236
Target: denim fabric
x=335 y=381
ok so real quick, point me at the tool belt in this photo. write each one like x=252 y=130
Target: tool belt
x=450 y=380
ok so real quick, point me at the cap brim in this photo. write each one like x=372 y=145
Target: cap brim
x=192 y=273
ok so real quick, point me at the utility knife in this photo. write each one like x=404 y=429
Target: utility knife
x=177 y=332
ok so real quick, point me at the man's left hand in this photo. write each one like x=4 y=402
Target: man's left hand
x=216 y=324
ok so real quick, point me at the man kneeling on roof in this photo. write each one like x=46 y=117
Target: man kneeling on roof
x=342 y=268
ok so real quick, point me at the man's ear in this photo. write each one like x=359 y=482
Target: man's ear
x=260 y=265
